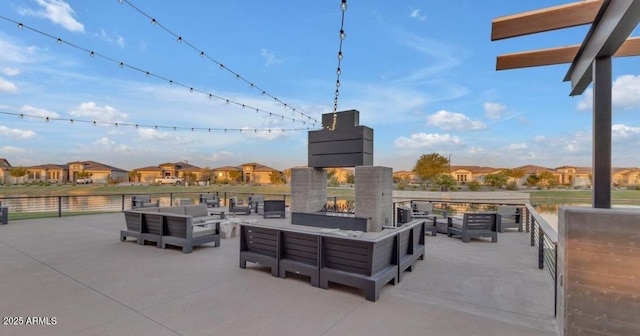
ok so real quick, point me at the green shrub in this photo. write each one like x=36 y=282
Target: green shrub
x=474 y=186
x=512 y=185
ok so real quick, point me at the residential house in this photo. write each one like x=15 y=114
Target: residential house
x=250 y=173
x=49 y=172
x=5 y=171
x=100 y=173
x=623 y=177
x=466 y=174
x=177 y=169
x=574 y=176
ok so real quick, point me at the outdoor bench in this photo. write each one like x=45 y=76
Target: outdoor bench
x=260 y=245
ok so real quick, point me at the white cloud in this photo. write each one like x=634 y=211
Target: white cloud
x=518 y=146
x=153 y=135
x=113 y=38
x=58 y=12
x=12 y=150
x=272 y=134
x=38 y=112
x=7 y=86
x=105 y=142
x=494 y=110
x=220 y=156
x=269 y=57
x=625 y=94
x=619 y=131
x=453 y=121
x=539 y=138
x=420 y=140
x=98 y=113
x=14 y=53
x=16 y=133
x=10 y=71
x=416 y=14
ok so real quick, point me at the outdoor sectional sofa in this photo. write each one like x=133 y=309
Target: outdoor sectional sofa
x=185 y=226
x=475 y=225
x=365 y=263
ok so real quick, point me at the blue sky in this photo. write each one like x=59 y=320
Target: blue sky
x=421 y=73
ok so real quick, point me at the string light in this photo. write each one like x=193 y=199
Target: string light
x=148 y=73
x=342 y=35
x=180 y=39
x=138 y=125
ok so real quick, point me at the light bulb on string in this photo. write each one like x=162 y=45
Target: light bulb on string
x=179 y=39
x=46 y=119
x=342 y=34
x=59 y=40
x=343 y=5
x=340 y=55
x=20 y=25
x=121 y=65
x=153 y=22
x=92 y=54
x=71 y=121
x=94 y=123
x=202 y=54
x=21 y=115
x=339 y=71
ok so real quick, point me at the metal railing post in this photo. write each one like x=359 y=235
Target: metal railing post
x=540 y=249
x=170 y=199
x=59 y=206
x=533 y=232
x=555 y=283
x=122 y=206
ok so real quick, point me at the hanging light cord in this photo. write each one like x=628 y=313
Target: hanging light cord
x=156 y=127
x=93 y=54
x=343 y=9
x=181 y=39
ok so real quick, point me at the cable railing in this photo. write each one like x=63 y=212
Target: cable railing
x=545 y=238
x=31 y=207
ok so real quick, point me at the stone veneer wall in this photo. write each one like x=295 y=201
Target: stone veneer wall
x=598 y=271
x=373 y=196
x=308 y=189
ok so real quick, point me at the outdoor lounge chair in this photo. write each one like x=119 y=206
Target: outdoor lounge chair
x=181 y=230
x=256 y=202
x=510 y=218
x=211 y=200
x=260 y=245
x=143 y=201
x=274 y=208
x=426 y=208
x=235 y=208
x=410 y=245
x=300 y=254
x=475 y=224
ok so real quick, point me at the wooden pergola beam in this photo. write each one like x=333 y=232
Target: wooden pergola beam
x=546 y=19
x=561 y=55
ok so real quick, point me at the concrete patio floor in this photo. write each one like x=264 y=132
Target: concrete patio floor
x=76 y=270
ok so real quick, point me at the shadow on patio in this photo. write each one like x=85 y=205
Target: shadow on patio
x=76 y=270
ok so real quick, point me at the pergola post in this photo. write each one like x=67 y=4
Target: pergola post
x=602 y=132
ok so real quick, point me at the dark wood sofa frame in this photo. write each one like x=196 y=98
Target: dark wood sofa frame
x=475 y=225
x=367 y=264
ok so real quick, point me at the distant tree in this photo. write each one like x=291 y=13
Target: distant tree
x=235 y=176
x=533 y=180
x=445 y=180
x=333 y=181
x=431 y=165
x=287 y=175
x=350 y=177
x=18 y=172
x=496 y=180
x=474 y=185
x=206 y=174
x=331 y=172
x=135 y=176
x=547 y=178
x=515 y=174
x=277 y=177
